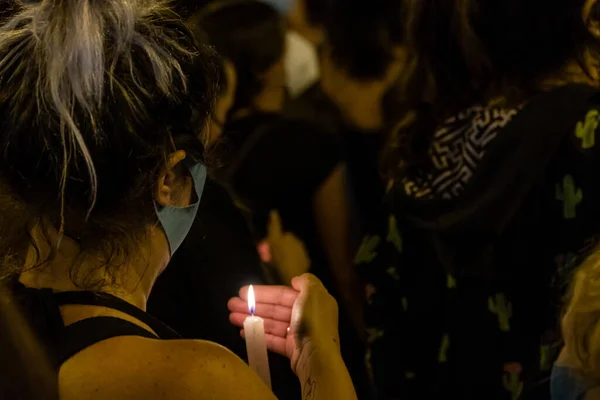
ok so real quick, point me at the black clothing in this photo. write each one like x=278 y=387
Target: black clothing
x=468 y=270
x=279 y=165
x=63 y=342
x=361 y=149
x=315 y=106
x=217 y=258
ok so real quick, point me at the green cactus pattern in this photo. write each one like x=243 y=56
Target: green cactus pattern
x=451 y=282
x=394 y=236
x=513 y=385
x=570 y=195
x=409 y=375
x=503 y=309
x=373 y=334
x=391 y=271
x=443 y=355
x=366 y=253
x=586 y=130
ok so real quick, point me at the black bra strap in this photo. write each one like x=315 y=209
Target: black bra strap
x=85 y=333
x=115 y=303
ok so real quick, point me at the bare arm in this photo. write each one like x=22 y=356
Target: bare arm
x=333 y=217
x=137 y=369
x=323 y=375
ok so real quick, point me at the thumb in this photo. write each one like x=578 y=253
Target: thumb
x=305 y=281
x=274 y=230
x=299 y=282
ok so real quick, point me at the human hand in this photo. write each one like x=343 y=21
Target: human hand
x=307 y=309
x=285 y=250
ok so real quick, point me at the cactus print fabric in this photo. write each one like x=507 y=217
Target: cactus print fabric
x=471 y=314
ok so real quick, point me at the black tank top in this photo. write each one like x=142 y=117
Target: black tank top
x=63 y=342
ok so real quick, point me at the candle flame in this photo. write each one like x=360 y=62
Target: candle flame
x=251 y=300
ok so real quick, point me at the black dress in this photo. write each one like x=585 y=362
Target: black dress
x=468 y=269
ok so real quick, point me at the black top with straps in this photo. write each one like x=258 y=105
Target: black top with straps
x=63 y=342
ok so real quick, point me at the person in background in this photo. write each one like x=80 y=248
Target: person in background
x=282 y=164
x=103 y=110
x=493 y=195
x=301 y=64
x=219 y=249
x=301 y=60
x=360 y=58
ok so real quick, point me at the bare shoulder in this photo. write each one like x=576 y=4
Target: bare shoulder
x=138 y=368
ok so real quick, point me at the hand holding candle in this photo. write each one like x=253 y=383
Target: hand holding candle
x=306 y=307
x=256 y=346
x=312 y=343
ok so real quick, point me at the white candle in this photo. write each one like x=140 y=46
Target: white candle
x=256 y=346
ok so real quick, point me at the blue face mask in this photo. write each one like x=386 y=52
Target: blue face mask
x=177 y=221
x=283 y=6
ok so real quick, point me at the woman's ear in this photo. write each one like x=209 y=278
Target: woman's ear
x=166 y=192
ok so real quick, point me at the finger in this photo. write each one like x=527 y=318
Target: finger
x=282 y=295
x=299 y=282
x=238 y=305
x=264 y=251
x=274 y=230
x=271 y=311
x=305 y=281
x=272 y=327
x=237 y=319
x=274 y=343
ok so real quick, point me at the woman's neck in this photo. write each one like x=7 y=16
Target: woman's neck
x=132 y=281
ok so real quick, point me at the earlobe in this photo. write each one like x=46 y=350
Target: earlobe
x=166 y=178
x=163 y=190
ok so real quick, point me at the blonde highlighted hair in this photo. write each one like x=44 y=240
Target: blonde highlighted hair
x=581 y=320
x=67 y=42
x=95 y=94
